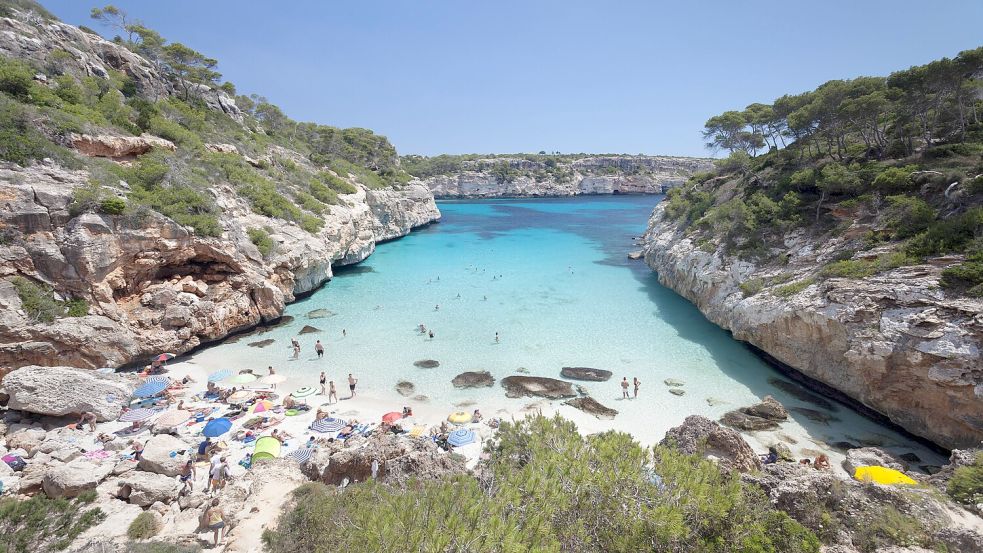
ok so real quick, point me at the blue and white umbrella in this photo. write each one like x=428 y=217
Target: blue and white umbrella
x=219 y=375
x=136 y=415
x=301 y=455
x=459 y=437
x=158 y=378
x=328 y=425
x=150 y=389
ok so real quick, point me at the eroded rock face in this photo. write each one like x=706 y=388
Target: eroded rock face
x=588 y=175
x=894 y=342
x=119 y=147
x=700 y=435
x=62 y=391
x=73 y=478
x=591 y=406
x=537 y=386
x=473 y=379
x=146 y=488
x=398 y=461
x=585 y=373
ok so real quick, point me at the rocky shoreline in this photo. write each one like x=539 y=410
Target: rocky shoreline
x=894 y=342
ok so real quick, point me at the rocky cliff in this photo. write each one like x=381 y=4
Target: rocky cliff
x=894 y=342
x=484 y=178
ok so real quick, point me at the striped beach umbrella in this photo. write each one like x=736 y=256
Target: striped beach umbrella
x=150 y=389
x=219 y=375
x=459 y=437
x=169 y=419
x=301 y=455
x=165 y=357
x=304 y=392
x=329 y=424
x=158 y=378
x=137 y=415
x=241 y=396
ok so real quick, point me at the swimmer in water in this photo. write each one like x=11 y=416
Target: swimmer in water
x=431 y=335
x=436 y=307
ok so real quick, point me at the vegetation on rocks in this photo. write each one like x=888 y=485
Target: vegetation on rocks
x=143 y=527
x=547 y=488
x=38 y=301
x=966 y=484
x=900 y=156
x=43 y=524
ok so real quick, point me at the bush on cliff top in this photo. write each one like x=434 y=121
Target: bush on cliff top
x=44 y=524
x=549 y=489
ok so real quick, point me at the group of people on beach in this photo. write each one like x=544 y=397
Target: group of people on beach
x=624 y=385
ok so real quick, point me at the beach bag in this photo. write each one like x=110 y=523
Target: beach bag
x=15 y=462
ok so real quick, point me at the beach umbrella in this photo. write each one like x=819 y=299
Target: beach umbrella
x=136 y=415
x=219 y=375
x=216 y=428
x=165 y=357
x=158 y=378
x=240 y=397
x=150 y=389
x=241 y=378
x=304 y=392
x=882 y=475
x=391 y=417
x=459 y=417
x=459 y=437
x=273 y=379
x=172 y=418
x=262 y=406
x=329 y=424
x=301 y=455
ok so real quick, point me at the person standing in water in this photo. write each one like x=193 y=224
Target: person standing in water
x=436 y=307
x=270 y=368
x=319 y=349
x=431 y=334
x=624 y=388
x=496 y=337
x=344 y=333
x=324 y=380
x=637 y=384
x=352 y=381
x=332 y=392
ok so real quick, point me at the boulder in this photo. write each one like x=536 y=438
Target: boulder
x=473 y=379
x=28 y=439
x=677 y=391
x=398 y=460
x=146 y=488
x=769 y=408
x=118 y=146
x=870 y=456
x=60 y=391
x=157 y=455
x=308 y=329
x=672 y=382
x=73 y=478
x=319 y=314
x=585 y=373
x=537 y=386
x=426 y=364
x=261 y=343
x=743 y=421
x=591 y=406
x=405 y=388
x=700 y=435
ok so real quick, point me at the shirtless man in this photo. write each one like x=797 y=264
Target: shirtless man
x=624 y=388
x=89 y=418
x=352 y=381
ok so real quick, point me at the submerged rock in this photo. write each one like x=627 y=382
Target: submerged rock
x=473 y=379
x=61 y=391
x=585 y=373
x=814 y=415
x=320 y=314
x=421 y=397
x=591 y=406
x=426 y=364
x=761 y=416
x=673 y=382
x=800 y=393
x=769 y=408
x=308 y=329
x=405 y=388
x=712 y=401
x=677 y=391
x=537 y=386
x=261 y=343
x=701 y=436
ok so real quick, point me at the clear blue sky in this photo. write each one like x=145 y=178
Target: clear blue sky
x=455 y=76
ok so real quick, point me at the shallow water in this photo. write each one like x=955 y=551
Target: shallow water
x=552 y=277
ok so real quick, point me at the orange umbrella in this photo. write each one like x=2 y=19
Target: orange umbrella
x=262 y=406
x=392 y=417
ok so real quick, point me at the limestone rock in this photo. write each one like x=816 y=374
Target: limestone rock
x=28 y=439
x=761 y=416
x=870 y=456
x=157 y=458
x=677 y=391
x=769 y=408
x=118 y=147
x=73 y=478
x=537 y=386
x=398 y=460
x=146 y=488
x=699 y=435
x=473 y=379
x=673 y=382
x=62 y=391
x=308 y=329
x=222 y=148
x=591 y=406
x=405 y=388
x=585 y=373
x=426 y=364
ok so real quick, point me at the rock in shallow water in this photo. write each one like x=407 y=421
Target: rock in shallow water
x=585 y=373
x=537 y=386
x=320 y=314
x=700 y=435
x=309 y=330
x=591 y=406
x=473 y=379
x=426 y=364
x=677 y=391
x=261 y=343
x=800 y=393
x=743 y=421
x=405 y=388
x=673 y=382
x=814 y=415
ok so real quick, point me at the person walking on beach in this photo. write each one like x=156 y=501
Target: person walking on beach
x=352 y=381
x=496 y=337
x=215 y=519
x=219 y=473
x=332 y=392
x=319 y=349
x=270 y=368
x=637 y=384
x=624 y=387
x=324 y=380
x=296 y=345
x=188 y=475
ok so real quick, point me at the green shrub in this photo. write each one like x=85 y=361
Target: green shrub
x=895 y=179
x=890 y=527
x=174 y=132
x=323 y=193
x=38 y=301
x=548 y=489
x=76 y=307
x=793 y=288
x=261 y=239
x=340 y=186
x=966 y=276
x=16 y=78
x=143 y=527
x=113 y=205
x=966 y=484
x=861 y=268
x=906 y=216
x=752 y=286
x=952 y=235
x=44 y=524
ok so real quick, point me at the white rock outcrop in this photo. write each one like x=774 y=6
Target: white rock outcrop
x=63 y=391
x=73 y=478
x=157 y=456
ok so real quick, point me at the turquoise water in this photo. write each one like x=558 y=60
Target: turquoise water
x=552 y=278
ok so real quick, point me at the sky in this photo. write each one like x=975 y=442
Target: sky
x=504 y=76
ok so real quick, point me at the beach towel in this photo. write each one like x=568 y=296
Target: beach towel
x=418 y=431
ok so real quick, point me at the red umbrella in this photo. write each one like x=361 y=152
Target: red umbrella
x=392 y=417
x=165 y=357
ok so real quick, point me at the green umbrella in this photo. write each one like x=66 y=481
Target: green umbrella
x=242 y=378
x=304 y=392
